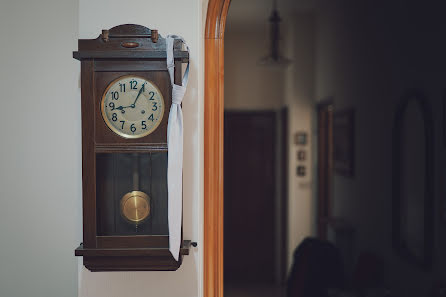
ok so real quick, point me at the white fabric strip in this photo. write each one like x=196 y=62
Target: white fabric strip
x=175 y=151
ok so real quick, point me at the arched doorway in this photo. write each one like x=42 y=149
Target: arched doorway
x=213 y=147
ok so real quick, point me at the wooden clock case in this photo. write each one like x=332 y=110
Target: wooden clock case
x=122 y=50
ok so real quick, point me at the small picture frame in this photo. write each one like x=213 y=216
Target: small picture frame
x=300 y=138
x=301 y=155
x=301 y=171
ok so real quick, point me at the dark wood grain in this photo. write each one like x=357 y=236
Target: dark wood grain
x=133 y=54
x=136 y=252
x=128 y=65
x=133 y=148
x=112 y=47
x=155 y=241
x=131 y=252
x=88 y=155
x=130 y=30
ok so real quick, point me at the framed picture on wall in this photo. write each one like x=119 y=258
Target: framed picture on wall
x=344 y=142
x=300 y=138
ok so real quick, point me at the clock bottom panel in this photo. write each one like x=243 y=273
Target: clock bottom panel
x=131 y=196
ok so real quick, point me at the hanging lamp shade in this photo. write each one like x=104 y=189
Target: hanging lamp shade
x=274 y=58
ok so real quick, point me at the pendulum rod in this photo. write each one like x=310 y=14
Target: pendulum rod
x=135 y=172
x=136 y=178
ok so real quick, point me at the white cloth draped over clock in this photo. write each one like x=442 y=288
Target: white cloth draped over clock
x=175 y=151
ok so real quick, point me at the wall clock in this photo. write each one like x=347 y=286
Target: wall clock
x=126 y=97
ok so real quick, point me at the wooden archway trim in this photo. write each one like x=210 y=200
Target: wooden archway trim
x=213 y=148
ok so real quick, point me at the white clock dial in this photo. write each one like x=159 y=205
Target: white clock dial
x=132 y=106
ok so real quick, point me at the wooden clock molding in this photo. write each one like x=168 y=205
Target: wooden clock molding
x=213 y=147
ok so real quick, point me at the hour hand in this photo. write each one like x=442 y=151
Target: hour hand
x=121 y=108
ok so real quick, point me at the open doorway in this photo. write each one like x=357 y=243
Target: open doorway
x=255 y=221
x=254 y=204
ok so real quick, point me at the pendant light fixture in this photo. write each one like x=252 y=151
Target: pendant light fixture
x=274 y=58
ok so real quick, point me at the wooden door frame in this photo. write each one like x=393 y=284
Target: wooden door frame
x=213 y=147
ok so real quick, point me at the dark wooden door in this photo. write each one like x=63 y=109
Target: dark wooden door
x=249 y=222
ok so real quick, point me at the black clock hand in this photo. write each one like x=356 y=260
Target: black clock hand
x=139 y=93
x=121 y=108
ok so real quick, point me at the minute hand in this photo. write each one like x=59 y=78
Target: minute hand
x=136 y=99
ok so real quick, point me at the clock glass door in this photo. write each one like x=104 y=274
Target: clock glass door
x=131 y=193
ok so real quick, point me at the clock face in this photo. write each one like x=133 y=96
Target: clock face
x=132 y=106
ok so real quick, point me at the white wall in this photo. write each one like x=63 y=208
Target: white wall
x=183 y=18
x=40 y=152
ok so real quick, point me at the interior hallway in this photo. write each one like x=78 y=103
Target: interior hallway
x=382 y=69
